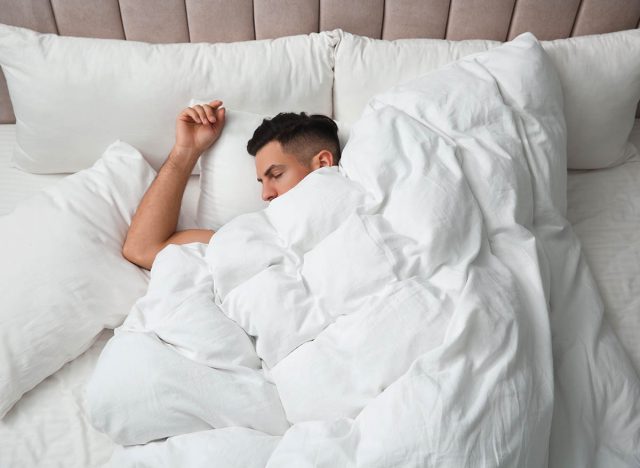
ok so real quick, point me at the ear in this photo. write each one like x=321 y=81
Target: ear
x=322 y=159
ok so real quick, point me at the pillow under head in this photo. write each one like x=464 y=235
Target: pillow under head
x=228 y=185
x=228 y=180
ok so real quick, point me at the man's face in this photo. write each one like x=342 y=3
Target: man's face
x=278 y=171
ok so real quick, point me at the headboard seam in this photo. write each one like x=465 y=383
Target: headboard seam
x=124 y=31
x=53 y=13
x=253 y=18
x=384 y=8
x=186 y=15
x=575 y=18
x=513 y=13
x=446 y=26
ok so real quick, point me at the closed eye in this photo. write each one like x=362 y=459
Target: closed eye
x=270 y=172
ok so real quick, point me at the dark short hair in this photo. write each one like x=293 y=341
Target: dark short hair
x=299 y=134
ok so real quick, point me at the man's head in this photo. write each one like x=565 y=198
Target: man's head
x=290 y=146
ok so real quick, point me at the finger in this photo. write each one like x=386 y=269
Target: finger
x=220 y=113
x=210 y=113
x=201 y=114
x=215 y=103
x=194 y=115
x=189 y=115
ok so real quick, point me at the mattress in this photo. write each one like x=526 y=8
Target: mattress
x=48 y=426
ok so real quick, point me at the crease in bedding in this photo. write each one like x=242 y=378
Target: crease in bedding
x=427 y=304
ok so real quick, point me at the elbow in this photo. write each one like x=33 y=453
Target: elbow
x=137 y=256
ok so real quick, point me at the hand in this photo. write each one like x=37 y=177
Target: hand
x=198 y=127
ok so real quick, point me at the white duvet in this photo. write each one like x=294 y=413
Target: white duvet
x=427 y=304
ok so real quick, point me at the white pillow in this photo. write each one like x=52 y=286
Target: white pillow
x=62 y=277
x=365 y=67
x=73 y=96
x=228 y=180
x=228 y=185
x=600 y=77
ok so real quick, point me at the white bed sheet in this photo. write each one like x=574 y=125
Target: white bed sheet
x=49 y=428
x=604 y=209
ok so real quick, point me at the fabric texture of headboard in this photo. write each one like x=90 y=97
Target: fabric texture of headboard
x=237 y=20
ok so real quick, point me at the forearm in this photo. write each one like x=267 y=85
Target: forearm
x=157 y=215
x=154 y=224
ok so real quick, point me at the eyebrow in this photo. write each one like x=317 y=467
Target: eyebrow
x=269 y=170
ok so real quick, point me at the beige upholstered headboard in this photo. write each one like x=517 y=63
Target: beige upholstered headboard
x=237 y=20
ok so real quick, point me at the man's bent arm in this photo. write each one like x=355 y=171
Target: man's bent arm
x=153 y=226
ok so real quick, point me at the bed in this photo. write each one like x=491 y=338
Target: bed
x=49 y=426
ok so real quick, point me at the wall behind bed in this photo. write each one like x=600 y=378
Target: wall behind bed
x=239 y=20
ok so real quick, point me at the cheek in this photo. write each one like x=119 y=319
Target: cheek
x=290 y=180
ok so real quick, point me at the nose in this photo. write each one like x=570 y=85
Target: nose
x=268 y=192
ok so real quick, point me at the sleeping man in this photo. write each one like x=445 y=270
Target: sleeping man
x=286 y=148
x=178 y=364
